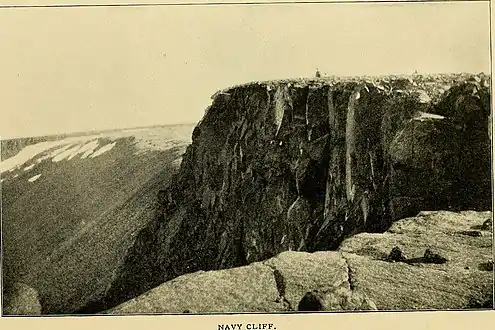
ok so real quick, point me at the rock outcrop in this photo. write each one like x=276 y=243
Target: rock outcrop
x=20 y=299
x=302 y=164
x=358 y=276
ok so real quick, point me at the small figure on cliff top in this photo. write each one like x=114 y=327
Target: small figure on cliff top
x=318 y=75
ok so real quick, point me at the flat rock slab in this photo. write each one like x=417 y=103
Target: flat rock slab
x=441 y=231
x=400 y=286
x=461 y=282
x=249 y=288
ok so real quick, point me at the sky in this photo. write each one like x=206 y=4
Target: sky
x=81 y=69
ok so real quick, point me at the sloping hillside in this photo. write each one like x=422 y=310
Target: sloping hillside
x=72 y=207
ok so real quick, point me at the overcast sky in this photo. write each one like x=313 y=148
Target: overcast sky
x=79 y=69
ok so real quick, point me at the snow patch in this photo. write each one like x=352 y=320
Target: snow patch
x=26 y=154
x=34 y=150
x=66 y=154
x=424 y=116
x=58 y=151
x=85 y=149
x=42 y=158
x=103 y=149
x=30 y=167
x=34 y=178
x=423 y=97
x=88 y=148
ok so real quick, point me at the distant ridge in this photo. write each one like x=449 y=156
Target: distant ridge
x=11 y=146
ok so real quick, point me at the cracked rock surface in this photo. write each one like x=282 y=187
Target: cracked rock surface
x=298 y=269
x=248 y=288
x=356 y=277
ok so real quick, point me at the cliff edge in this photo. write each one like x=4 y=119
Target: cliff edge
x=303 y=164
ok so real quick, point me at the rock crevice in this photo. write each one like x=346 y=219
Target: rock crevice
x=350 y=278
x=281 y=287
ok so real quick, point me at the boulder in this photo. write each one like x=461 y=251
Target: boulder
x=433 y=257
x=487 y=225
x=20 y=299
x=396 y=255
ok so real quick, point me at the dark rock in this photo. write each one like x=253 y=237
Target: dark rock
x=317 y=147
x=466 y=106
x=434 y=258
x=297 y=217
x=338 y=299
x=311 y=302
x=472 y=233
x=396 y=255
x=486 y=266
x=423 y=155
x=487 y=225
x=483 y=301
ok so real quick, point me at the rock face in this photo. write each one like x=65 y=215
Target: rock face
x=358 y=276
x=20 y=299
x=302 y=164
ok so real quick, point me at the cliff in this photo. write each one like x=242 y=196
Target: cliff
x=358 y=276
x=303 y=164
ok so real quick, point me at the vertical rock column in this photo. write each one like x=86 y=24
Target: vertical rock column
x=364 y=161
x=335 y=202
